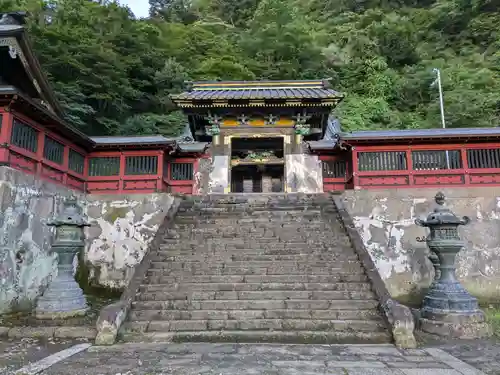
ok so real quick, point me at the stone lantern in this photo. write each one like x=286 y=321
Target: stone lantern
x=64 y=298
x=448 y=309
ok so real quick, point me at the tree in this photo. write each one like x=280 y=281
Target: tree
x=113 y=73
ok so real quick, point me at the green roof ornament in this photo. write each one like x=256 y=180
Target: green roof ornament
x=301 y=126
x=215 y=122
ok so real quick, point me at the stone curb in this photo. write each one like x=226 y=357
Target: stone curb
x=69 y=332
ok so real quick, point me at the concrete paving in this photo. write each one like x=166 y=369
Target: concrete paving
x=257 y=359
x=16 y=353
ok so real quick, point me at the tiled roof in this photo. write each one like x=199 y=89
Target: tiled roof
x=192 y=147
x=421 y=133
x=244 y=90
x=323 y=144
x=133 y=140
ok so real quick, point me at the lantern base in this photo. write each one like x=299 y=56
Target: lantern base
x=457 y=325
x=62 y=299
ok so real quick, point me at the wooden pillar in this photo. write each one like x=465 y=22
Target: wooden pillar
x=355 y=177
x=86 y=173
x=159 y=183
x=465 y=166
x=121 y=175
x=65 y=164
x=39 y=152
x=409 y=167
x=5 y=135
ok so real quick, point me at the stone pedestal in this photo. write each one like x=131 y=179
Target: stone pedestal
x=448 y=309
x=63 y=298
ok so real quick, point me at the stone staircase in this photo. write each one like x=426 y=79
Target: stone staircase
x=256 y=268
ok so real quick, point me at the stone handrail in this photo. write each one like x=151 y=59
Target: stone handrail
x=397 y=315
x=112 y=316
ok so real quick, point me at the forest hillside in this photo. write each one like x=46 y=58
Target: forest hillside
x=114 y=73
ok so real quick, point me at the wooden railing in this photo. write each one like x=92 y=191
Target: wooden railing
x=29 y=147
x=426 y=166
x=32 y=149
x=336 y=173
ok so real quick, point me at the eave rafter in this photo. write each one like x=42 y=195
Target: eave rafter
x=258 y=103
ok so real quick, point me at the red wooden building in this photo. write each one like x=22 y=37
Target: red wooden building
x=411 y=158
x=35 y=139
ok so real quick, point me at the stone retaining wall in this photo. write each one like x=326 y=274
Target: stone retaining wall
x=385 y=220
x=122 y=227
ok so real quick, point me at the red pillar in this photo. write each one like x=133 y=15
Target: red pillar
x=355 y=177
x=159 y=183
x=5 y=135
x=409 y=167
x=465 y=166
x=65 y=164
x=121 y=182
x=39 y=152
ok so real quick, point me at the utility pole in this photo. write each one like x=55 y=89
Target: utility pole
x=441 y=101
x=441 y=106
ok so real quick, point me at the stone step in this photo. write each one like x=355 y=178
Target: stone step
x=268 y=237
x=214 y=252
x=250 y=231
x=149 y=315
x=249 y=213
x=257 y=244
x=235 y=287
x=344 y=304
x=266 y=324
x=264 y=222
x=251 y=256
x=245 y=208
x=291 y=278
x=247 y=271
x=196 y=220
x=270 y=295
x=194 y=263
x=284 y=337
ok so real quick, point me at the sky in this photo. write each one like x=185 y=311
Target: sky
x=139 y=7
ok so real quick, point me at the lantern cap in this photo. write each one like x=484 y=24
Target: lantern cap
x=442 y=215
x=70 y=215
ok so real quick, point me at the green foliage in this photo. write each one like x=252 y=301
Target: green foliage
x=113 y=73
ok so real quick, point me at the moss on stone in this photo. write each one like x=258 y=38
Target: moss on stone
x=493 y=317
x=85 y=281
x=114 y=213
x=414 y=298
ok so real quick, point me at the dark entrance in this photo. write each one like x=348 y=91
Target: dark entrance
x=257 y=179
x=258 y=165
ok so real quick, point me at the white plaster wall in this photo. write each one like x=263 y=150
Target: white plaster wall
x=219 y=174
x=304 y=173
x=122 y=229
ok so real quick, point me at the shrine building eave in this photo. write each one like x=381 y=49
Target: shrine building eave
x=16 y=102
x=152 y=141
x=149 y=142
x=414 y=136
x=13 y=35
x=206 y=94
